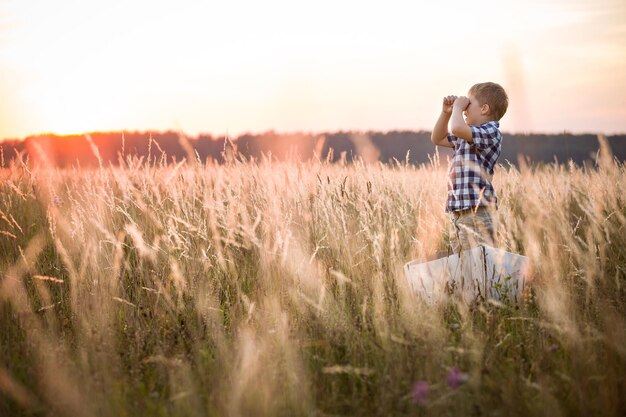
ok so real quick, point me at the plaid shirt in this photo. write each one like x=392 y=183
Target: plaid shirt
x=469 y=182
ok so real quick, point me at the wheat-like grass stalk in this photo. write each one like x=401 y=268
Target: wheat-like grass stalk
x=276 y=288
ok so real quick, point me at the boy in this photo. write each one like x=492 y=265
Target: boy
x=477 y=142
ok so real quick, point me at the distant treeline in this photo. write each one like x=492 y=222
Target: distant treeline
x=414 y=147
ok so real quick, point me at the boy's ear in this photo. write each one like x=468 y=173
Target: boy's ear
x=485 y=109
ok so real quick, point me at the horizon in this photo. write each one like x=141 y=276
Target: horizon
x=71 y=68
x=415 y=147
x=284 y=133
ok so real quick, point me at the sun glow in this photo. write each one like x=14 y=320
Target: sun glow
x=72 y=66
x=73 y=106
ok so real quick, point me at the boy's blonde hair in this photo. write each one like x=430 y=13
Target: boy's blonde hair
x=492 y=94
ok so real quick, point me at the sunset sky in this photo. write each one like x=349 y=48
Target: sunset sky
x=70 y=66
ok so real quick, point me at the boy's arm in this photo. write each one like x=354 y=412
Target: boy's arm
x=457 y=124
x=440 y=132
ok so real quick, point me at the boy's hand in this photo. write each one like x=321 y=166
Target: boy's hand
x=461 y=102
x=448 y=101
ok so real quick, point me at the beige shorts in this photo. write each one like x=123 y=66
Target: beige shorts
x=471 y=228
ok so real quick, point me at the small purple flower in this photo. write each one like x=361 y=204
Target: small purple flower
x=456 y=378
x=554 y=348
x=420 y=392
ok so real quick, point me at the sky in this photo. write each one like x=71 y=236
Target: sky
x=234 y=66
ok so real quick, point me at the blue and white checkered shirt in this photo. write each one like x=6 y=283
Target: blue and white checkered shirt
x=469 y=182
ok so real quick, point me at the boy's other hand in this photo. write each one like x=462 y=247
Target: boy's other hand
x=448 y=101
x=461 y=102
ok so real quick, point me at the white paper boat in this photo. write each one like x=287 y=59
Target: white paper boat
x=480 y=273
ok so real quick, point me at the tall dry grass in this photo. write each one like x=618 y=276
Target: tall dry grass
x=275 y=288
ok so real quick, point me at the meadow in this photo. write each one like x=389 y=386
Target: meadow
x=268 y=288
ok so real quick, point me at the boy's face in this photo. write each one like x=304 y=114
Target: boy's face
x=475 y=113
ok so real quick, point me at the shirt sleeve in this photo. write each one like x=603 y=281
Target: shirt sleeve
x=485 y=135
x=452 y=139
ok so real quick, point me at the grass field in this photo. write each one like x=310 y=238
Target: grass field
x=276 y=289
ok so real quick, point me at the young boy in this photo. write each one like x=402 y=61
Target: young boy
x=477 y=142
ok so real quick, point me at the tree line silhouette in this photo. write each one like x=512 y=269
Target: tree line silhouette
x=405 y=146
